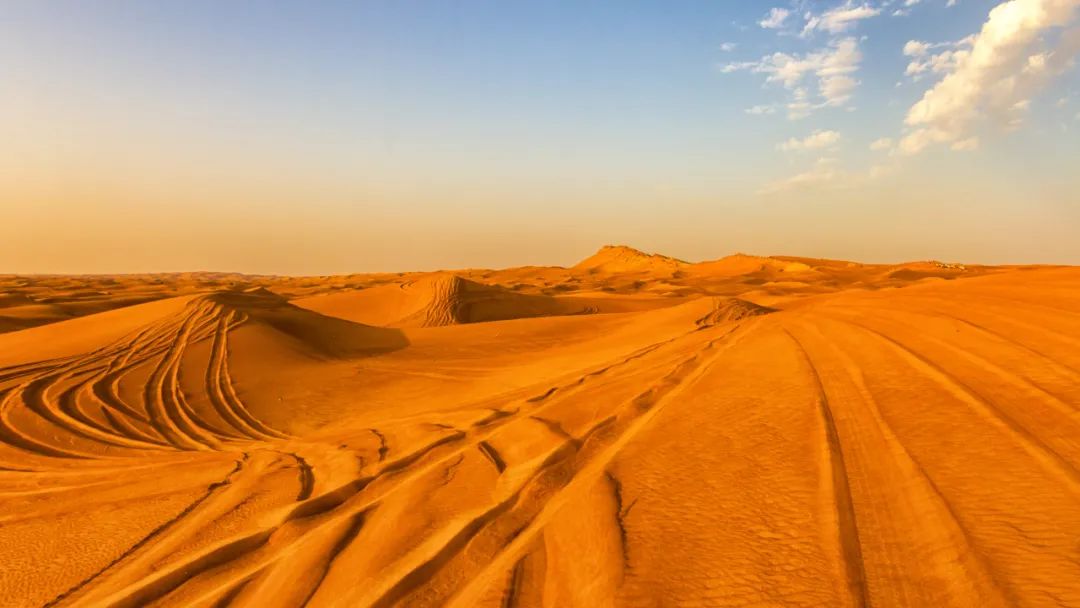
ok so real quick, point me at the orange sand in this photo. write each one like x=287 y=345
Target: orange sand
x=633 y=431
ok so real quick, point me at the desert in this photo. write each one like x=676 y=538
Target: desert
x=633 y=430
x=540 y=304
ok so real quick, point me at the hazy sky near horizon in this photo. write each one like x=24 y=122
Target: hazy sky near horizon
x=337 y=137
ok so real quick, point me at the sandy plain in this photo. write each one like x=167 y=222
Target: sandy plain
x=631 y=431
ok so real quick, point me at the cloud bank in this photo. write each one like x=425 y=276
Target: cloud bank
x=1008 y=61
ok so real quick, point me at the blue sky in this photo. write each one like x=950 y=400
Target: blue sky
x=355 y=136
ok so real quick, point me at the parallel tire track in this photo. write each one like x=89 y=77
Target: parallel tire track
x=848 y=527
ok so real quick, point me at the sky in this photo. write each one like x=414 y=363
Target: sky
x=341 y=137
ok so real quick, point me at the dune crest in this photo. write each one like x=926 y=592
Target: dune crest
x=620 y=258
x=740 y=263
x=447 y=299
x=443 y=300
x=731 y=309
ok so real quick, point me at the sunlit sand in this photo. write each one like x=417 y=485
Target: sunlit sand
x=635 y=430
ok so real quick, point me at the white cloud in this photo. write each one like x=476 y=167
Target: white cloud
x=879 y=145
x=839 y=19
x=924 y=62
x=800 y=107
x=827 y=174
x=735 y=66
x=918 y=140
x=966 y=145
x=727 y=47
x=761 y=110
x=1001 y=69
x=916 y=48
x=939 y=63
x=838 y=89
x=775 y=19
x=835 y=82
x=824 y=173
x=830 y=68
x=815 y=141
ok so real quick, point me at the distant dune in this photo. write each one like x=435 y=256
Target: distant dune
x=477 y=295
x=740 y=264
x=622 y=259
x=635 y=430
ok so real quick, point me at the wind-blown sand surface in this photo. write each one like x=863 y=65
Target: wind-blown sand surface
x=633 y=431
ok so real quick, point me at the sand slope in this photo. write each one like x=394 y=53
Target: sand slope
x=447 y=299
x=886 y=441
x=623 y=259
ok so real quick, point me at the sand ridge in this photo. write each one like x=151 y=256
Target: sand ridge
x=614 y=270
x=634 y=431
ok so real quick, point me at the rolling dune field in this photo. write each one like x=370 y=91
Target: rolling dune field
x=635 y=430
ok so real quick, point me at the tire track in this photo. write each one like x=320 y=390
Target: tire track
x=11 y=436
x=967 y=551
x=210 y=490
x=847 y=521
x=593 y=469
x=223 y=390
x=259 y=548
x=1051 y=460
x=1023 y=383
x=351 y=532
x=163 y=413
x=164 y=419
x=70 y=390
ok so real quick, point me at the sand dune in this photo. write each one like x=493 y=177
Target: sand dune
x=741 y=264
x=623 y=259
x=772 y=432
x=448 y=299
x=483 y=295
